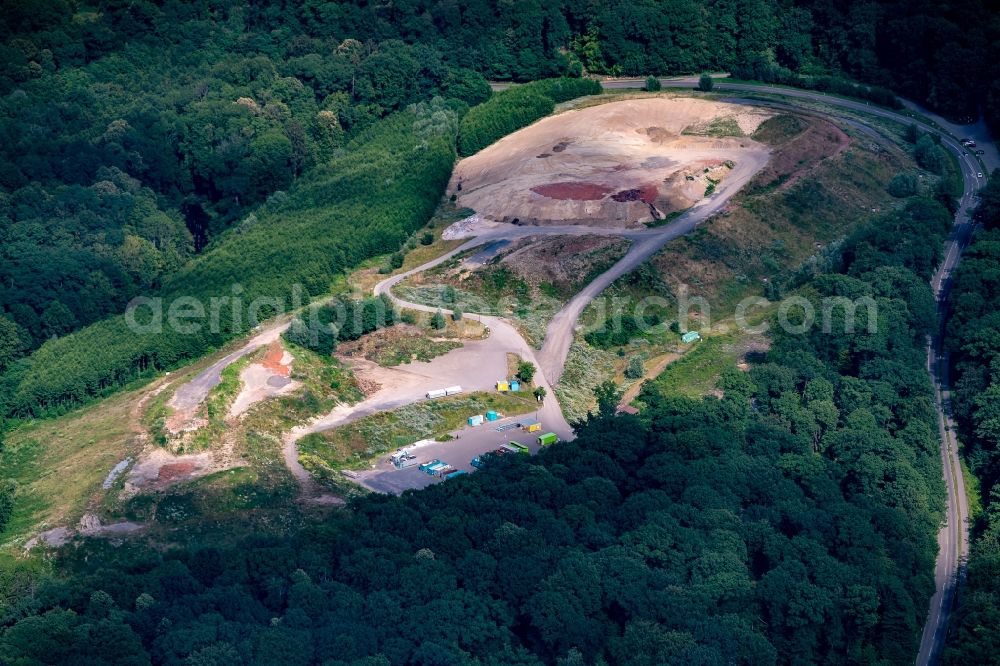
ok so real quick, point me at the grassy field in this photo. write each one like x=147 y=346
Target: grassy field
x=60 y=464
x=696 y=372
x=529 y=288
x=814 y=191
x=358 y=442
x=404 y=343
x=585 y=368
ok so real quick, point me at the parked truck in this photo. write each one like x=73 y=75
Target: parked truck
x=403 y=459
x=434 y=469
x=516 y=447
x=548 y=438
x=430 y=463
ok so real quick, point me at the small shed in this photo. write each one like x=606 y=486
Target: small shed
x=503 y=387
x=532 y=426
x=476 y=420
x=515 y=385
x=492 y=415
x=690 y=336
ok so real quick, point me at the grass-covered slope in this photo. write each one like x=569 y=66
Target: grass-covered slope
x=517 y=107
x=362 y=203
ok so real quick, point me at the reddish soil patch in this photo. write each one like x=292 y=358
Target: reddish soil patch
x=272 y=360
x=646 y=193
x=175 y=471
x=577 y=191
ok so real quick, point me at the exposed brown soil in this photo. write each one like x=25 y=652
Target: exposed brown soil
x=796 y=157
x=562 y=263
x=647 y=194
x=573 y=191
x=175 y=472
x=272 y=360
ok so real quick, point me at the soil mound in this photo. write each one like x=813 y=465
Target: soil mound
x=616 y=164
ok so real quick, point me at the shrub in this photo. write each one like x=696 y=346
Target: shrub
x=705 y=83
x=902 y=185
x=320 y=338
x=634 y=369
x=427 y=238
x=929 y=155
x=456 y=314
x=526 y=371
x=653 y=84
x=437 y=321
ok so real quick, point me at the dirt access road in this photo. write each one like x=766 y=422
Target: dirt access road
x=475 y=366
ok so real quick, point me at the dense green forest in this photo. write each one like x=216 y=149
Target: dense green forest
x=136 y=136
x=792 y=520
x=362 y=203
x=173 y=149
x=973 y=342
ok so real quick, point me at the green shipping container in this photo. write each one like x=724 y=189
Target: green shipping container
x=548 y=438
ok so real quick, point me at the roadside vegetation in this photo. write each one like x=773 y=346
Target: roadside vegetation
x=971 y=339
x=585 y=369
x=358 y=442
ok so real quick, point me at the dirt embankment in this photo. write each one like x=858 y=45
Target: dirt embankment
x=799 y=146
x=617 y=164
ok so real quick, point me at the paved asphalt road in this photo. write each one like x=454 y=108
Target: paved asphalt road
x=953 y=539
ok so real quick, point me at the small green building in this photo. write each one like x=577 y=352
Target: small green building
x=690 y=337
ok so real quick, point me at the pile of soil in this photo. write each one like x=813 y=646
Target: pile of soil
x=616 y=164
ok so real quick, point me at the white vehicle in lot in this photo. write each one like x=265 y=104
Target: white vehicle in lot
x=403 y=459
x=979 y=175
x=441 y=393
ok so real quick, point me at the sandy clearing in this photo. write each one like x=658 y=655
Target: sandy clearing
x=266 y=379
x=617 y=164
